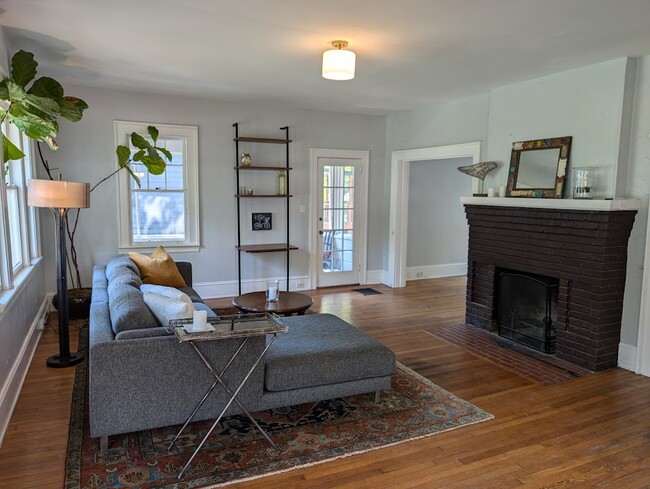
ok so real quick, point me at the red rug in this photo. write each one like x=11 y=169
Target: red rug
x=308 y=434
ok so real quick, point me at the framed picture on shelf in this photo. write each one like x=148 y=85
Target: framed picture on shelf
x=262 y=221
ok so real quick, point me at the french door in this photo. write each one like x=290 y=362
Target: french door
x=340 y=239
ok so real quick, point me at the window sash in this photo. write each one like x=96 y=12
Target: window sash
x=129 y=193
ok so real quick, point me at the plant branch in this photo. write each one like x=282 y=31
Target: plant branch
x=106 y=178
x=44 y=162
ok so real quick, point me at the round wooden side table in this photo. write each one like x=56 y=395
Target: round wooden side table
x=289 y=303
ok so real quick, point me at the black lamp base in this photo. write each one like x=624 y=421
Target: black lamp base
x=57 y=361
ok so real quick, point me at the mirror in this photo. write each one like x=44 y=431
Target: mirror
x=538 y=168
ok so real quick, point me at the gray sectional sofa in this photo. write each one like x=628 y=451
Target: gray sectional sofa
x=141 y=377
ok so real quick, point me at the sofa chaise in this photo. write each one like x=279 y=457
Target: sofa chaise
x=141 y=377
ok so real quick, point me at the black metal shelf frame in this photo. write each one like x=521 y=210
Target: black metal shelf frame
x=286 y=141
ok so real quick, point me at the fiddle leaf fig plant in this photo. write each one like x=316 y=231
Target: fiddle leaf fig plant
x=36 y=109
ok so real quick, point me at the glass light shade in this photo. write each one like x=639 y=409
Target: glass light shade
x=58 y=194
x=338 y=64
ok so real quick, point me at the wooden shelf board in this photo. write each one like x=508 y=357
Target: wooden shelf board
x=262 y=196
x=274 y=168
x=262 y=140
x=266 y=248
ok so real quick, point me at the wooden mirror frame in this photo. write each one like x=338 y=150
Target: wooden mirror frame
x=563 y=143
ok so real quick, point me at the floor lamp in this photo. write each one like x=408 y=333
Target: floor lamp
x=59 y=197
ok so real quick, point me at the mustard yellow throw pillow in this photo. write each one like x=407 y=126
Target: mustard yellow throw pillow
x=159 y=269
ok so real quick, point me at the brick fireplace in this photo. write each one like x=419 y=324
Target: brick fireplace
x=585 y=248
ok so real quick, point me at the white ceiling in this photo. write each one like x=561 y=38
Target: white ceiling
x=409 y=52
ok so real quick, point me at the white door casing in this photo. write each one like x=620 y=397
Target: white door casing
x=399 y=197
x=360 y=159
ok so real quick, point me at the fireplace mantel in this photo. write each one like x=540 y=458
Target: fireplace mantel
x=569 y=204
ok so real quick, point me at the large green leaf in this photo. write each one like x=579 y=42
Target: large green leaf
x=47 y=87
x=166 y=152
x=139 y=142
x=51 y=143
x=23 y=68
x=34 y=127
x=16 y=92
x=154 y=163
x=123 y=154
x=10 y=151
x=4 y=91
x=42 y=104
x=153 y=132
x=72 y=108
x=139 y=155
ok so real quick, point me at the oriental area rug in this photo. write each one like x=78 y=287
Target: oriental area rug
x=308 y=434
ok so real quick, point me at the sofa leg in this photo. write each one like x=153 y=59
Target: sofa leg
x=377 y=396
x=103 y=444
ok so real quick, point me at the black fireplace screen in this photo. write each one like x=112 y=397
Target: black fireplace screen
x=528 y=309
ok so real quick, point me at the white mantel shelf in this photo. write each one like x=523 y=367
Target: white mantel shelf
x=572 y=204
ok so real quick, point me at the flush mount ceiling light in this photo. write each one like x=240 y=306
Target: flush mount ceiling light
x=338 y=63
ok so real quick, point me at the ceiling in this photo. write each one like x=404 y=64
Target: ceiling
x=409 y=53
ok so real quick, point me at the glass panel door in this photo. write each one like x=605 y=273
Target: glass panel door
x=336 y=227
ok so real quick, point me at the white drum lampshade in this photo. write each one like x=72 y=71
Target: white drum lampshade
x=338 y=63
x=58 y=194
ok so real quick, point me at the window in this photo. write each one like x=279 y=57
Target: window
x=18 y=229
x=165 y=208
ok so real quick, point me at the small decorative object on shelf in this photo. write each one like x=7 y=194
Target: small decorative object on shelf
x=245 y=159
x=480 y=171
x=583 y=183
x=282 y=183
x=272 y=290
x=262 y=221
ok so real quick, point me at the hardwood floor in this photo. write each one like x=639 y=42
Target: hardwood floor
x=591 y=431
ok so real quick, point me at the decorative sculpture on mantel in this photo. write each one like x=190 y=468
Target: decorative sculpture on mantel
x=480 y=171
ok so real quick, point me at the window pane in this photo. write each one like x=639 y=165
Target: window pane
x=174 y=177
x=14 y=227
x=141 y=173
x=156 y=181
x=158 y=216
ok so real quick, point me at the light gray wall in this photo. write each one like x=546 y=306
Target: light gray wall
x=585 y=103
x=86 y=153
x=638 y=185
x=437 y=229
x=458 y=121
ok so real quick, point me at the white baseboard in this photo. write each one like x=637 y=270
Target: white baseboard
x=436 y=271
x=11 y=390
x=627 y=356
x=229 y=288
x=376 y=277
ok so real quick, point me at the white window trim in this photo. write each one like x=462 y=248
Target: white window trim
x=191 y=178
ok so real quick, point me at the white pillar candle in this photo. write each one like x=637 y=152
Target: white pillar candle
x=491 y=192
x=200 y=320
x=502 y=191
x=273 y=293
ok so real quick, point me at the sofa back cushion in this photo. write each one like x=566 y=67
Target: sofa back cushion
x=128 y=309
x=118 y=263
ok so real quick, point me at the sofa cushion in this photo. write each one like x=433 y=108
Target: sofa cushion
x=191 y=293
x=166 y=308
x=323 y=349
x=119 y=262
x=128 y=309
x=158 y=269
x=124 y=275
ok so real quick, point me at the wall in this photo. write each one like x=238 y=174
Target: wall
x=437 y=232
x=86 y=153
x=585 y=103
x=638 y=185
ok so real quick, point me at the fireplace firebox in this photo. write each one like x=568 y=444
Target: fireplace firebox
x=527 y=311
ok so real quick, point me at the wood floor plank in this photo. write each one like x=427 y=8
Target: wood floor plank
x=591 y=431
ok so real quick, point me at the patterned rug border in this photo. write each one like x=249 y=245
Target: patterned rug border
x=75 y=432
